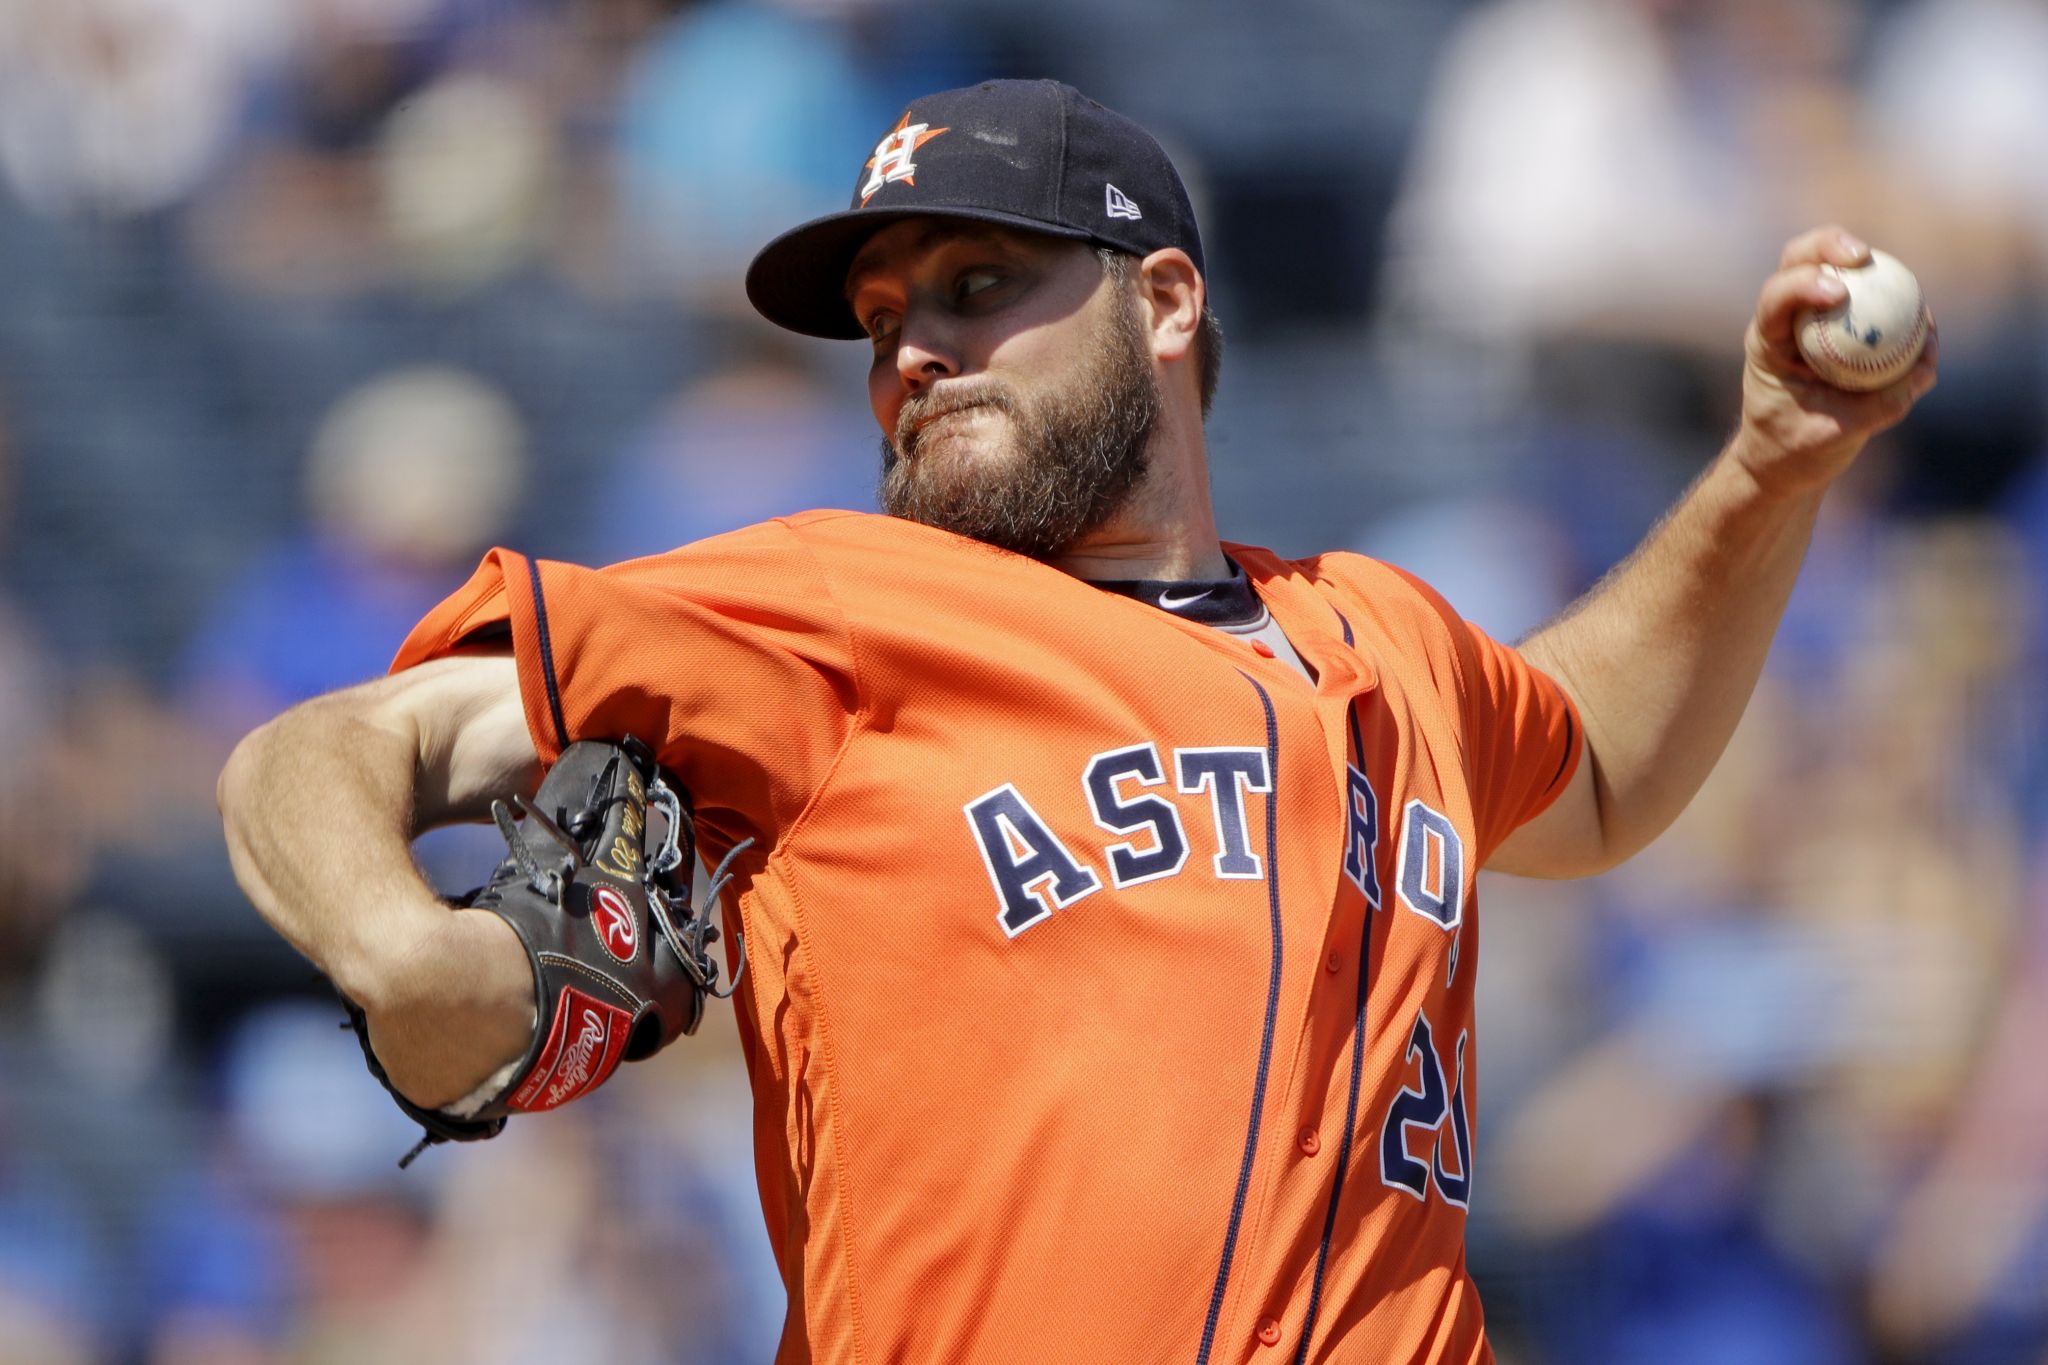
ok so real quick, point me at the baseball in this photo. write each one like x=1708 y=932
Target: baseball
x=1871 y=338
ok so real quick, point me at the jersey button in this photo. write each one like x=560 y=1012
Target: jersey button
x=1333 y=963
x=1310 y=1143
x=1269 y=1331
x=1261 y=648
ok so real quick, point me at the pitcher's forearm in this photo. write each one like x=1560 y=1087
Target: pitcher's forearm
x=456 y=1009
x=1663 y=655
x=321 y=806
x=317 y=809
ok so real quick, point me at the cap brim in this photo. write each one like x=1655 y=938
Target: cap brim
x=798 y=280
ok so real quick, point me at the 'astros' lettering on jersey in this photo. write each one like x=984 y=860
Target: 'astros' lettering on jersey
x=1109 y=989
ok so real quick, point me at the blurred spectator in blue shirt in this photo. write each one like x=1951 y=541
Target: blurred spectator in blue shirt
x=410 y=477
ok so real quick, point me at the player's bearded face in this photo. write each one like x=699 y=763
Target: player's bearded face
x=1078 y=447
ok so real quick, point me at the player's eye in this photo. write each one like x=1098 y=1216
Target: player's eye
x=976 y=282
x=880 y=327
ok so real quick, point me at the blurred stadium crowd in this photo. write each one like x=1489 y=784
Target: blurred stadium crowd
x=303 y=303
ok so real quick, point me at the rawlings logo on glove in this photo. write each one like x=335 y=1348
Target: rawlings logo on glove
x=558 y=1077
x=613 y=919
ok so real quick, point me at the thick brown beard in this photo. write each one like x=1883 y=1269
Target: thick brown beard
x=1081 y=451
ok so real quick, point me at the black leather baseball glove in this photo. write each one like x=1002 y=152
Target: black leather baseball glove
x=597 y=886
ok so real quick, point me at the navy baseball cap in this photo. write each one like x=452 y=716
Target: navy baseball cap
x=1036 y=155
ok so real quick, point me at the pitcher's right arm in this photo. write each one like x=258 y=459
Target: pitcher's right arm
x=321 y=806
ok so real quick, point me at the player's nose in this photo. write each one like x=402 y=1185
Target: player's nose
x=926 y=352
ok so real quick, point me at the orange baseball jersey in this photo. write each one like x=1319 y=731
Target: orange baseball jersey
x=1109 y=986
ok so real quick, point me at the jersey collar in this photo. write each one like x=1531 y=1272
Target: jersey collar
x=1211 y=602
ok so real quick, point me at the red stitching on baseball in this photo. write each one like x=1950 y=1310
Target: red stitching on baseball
x=1825 y=333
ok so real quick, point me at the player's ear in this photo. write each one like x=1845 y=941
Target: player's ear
x=1171 y=295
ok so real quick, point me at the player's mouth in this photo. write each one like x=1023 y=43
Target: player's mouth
x=936 y=419
x=920 y=431
x=924 y=411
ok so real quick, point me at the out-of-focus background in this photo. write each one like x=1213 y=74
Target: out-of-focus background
x=303 y=303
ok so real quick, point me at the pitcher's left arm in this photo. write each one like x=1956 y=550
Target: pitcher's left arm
x=1662 y=654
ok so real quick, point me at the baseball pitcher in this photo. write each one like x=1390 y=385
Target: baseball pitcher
x=1098 y=895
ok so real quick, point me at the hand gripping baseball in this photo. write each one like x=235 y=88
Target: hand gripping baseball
x=599 y=894
x=1800 y=432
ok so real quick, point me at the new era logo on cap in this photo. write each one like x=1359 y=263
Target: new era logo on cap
x=1036 y=156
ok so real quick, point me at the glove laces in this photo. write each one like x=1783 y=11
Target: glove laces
x=691 y=941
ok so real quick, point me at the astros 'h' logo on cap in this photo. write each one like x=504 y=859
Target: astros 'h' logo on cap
x=891 y=160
